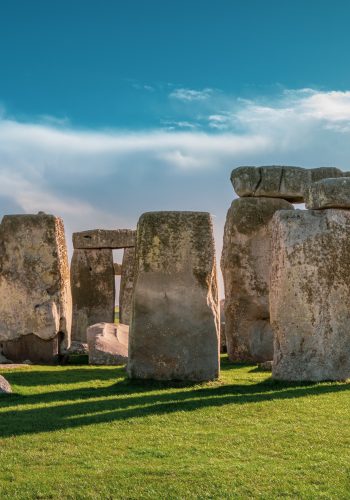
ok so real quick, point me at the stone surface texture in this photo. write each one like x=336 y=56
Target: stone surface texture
x=289 y=183
x=104 y=346
x=117 y=269
x=329 y=193
x=93 y=290
x=223 y=344
x=245 y=265
x=310 y=295
x=174 y=333
x=104 y=238
x=127 y=286
x=34 y=283
x=5 y=387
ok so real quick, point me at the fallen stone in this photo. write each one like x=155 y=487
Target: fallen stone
x=266 y=366
x=78 y=348
x=117 y=269
x=245 y=265
x=289 y=183
x=33 y=348
x=5 y=387
x=127 y=285
x=104 y=238
x=329 y=193
x=105 y=348
x=310 y=295
x=93 y=290
x=174 y=333
x=4 y=360
x=35 y=305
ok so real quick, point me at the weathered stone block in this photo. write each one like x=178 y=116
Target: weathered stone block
x=310 y=295
x=127 y=285
x=104 y=346
x=245 y=265
x=93 y=290
x=329 y=193
x=104 y=238
x=35 y=298
x=5 y=387
x=289 y=183
x=174 y=331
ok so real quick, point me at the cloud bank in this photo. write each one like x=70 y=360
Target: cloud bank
x=106 y=178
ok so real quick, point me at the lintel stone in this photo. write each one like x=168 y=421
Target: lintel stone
x=104 y=238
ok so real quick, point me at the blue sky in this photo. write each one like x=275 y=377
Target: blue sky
x=112 y=108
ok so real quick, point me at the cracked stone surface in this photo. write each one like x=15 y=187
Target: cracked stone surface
x=245 y=265
x=310 y=294
x=329 y=193
x=174 y=333
x=276 y=181
x=34 y=280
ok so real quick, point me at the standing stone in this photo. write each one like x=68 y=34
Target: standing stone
x=276 y=181
x=126 y=285
x=93 y=290
x=245 y=265
x=223 y=344
x=35 y=298
x=174 y=331
x=310 y=295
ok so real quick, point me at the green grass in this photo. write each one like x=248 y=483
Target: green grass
x=87 y=432
x=116 y=315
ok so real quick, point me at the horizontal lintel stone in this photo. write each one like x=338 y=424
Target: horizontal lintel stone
x=104 y=238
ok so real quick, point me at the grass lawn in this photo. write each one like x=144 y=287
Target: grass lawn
x=88 y=432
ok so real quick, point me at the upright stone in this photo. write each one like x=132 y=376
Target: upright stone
x=35 y=298
x=245 y=265
x=126 y=286
x=310 y=295
x=93 y=290
x=174 y=330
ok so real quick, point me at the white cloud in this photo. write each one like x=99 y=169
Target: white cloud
x=188 y=95
x=106 y=178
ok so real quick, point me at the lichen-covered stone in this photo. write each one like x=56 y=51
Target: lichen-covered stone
x=289 y=183
x=104 y=346
x=35 y=296
x=104 y=238
x=310 y=295
x=245 y=265
x=126 y=285
x=93 y=290
x=174 y=331
x=329 y=193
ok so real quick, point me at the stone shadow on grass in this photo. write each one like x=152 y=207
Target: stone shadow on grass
x=127 y=400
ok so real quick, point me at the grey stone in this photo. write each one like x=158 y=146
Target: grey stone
x=105 y=348
x=127 y=286
x=310 y=295
x=223 y=344
x=104 y=238
x=289 y=183
x=329 y=193
x=93 y=290
x=35 y=305
x=266 y=366
x=245 y=265
x=5 y=387
x=174 y=333
x=78 y=348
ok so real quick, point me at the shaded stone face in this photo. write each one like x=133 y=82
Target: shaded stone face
x=35 y=298
x=174 y=331
x=104 y=238
x=289 y=183
x=329 y=193
x=245 y=265
x=310 y=295
x=127 y=285
x=105 y=348
x=93 y=290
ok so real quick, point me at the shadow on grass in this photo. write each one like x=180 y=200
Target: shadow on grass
x=129 y=399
